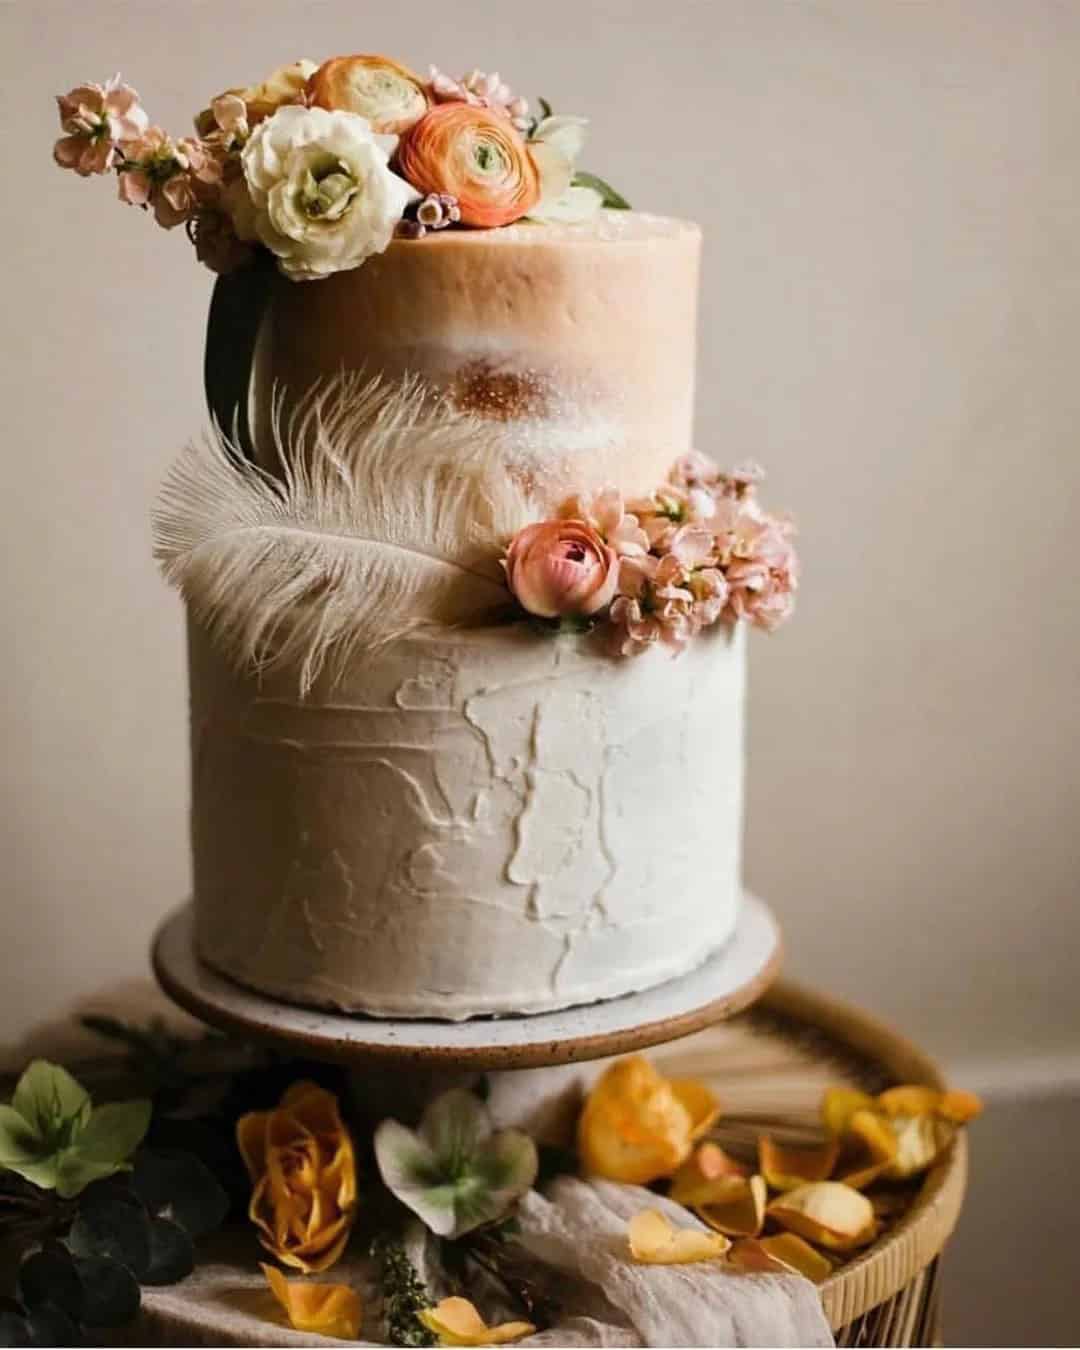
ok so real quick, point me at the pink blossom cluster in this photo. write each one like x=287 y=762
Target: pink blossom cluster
x=182 y=182
x=482 y=91
x=697 y=551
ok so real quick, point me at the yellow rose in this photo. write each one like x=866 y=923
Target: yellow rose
x=300 y=1159
x=638 y=1126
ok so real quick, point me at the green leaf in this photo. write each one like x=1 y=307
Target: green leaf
x=182 y=1186
x=19 y=1141
x=615 y=200
x=114 y=1226
x=13 y=1328
x=48 y=1098
x=110 y=1292
x=50 y=1276
x=545 y=107
x=172 y=1255
x=114 y=1132
x=73 y=1172
x=51 y=1326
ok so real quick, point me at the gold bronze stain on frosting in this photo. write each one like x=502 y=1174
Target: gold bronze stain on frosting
x=500 y=395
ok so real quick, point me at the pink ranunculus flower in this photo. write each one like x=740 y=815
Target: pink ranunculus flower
x=96 y=119
x=561 y=569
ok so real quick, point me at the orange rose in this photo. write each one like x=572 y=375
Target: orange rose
x=300 y=1159
x=561 y=568
x=389 y=95
x=477 y=156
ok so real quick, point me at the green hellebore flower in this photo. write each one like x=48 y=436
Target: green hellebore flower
x=455 y=1171
x=53 y=1136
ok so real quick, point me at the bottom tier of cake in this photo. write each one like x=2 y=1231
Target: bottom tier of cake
x=487 y=822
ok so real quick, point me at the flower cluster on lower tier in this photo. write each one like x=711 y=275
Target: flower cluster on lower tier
x=322 y=165
x=658 y=569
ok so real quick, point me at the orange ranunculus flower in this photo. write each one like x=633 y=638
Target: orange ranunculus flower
x=387 y=93
x=476 y=155
x=638 y=1126
x=300 y=1158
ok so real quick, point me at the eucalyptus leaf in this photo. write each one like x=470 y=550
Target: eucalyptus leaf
x=114 y=1226
x=172 y=1255
x=13 y=1329
x=610 y=198
x=49 y=1325
x=48 y=1098
x=50 y=1276
x=114 y=1131
x=110 y=1292
x=179 y=1184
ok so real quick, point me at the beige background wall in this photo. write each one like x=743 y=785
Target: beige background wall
x=891 y=317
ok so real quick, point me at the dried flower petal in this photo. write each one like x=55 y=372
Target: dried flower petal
x=827 y=1213
x=960 y=1107
x=323 y=1309
x=840 y=1104
x=634 y=1128
x=696 y=1180
x=654 y=1240
x=920 y=1141
x=700 y=1102
x=866 y=1150
x=456 y=1322
x=785 y=1168
x=794 y=1253
x=740 y=1212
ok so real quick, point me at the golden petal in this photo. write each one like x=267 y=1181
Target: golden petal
x=325 y=1309
x=699 y=1101
x=251 y=1140
x=741 y=1213
x=456 y=1322
x=839 y=1105
x=909 y=1100
x=785 y=1167
x=960 y=1107
x=920 y=1141
x=655 y=1241
x=827 y=1213
x=795 y=1253
x=750 y=1254
x=867 y=1148
x=633 y=1129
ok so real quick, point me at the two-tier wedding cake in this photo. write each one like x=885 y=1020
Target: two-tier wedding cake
x=466 y=609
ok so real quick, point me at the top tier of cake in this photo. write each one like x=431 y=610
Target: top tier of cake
x=578 y=340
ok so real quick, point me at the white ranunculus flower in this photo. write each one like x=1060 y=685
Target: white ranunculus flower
x=324 y=196
x=555 y=146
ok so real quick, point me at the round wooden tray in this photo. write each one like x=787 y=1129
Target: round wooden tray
x=772 y=1061
x=728 y=982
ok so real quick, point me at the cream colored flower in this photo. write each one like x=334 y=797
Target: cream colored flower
x=555 y=146
x=324 y=196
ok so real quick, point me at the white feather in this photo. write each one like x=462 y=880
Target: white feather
x=390 y=512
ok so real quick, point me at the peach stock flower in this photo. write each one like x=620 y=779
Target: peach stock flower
x=561 y=569
x=300 y=1159
x=481 y=91
x=96 y=119
x=387 y=93
x=638 y=1126
x=477 y=156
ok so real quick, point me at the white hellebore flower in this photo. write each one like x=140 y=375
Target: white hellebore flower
x=555 y=146
x=324 y=196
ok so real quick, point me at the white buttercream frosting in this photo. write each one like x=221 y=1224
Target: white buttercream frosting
x=475 y=822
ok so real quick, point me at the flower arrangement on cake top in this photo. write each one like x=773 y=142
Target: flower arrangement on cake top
x=322 y=165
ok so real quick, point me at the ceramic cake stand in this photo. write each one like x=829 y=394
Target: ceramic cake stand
x=728 y=982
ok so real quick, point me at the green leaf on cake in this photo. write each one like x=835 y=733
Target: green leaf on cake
x=52 y=1136
x=545 y=107
x=615 y=201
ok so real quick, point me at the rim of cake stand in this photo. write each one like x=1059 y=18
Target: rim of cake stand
x=729 y=981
